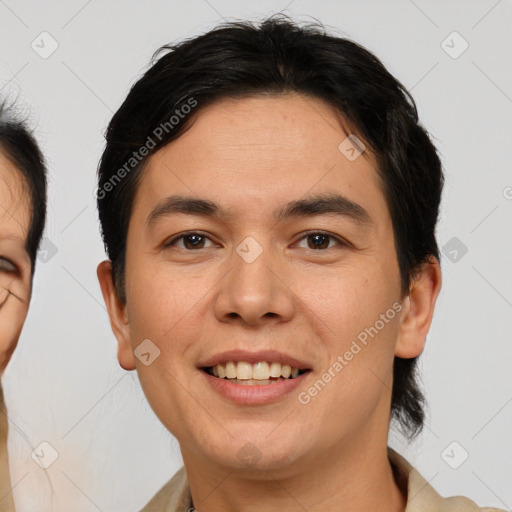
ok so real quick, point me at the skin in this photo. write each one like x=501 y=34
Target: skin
x=15 y=279
x=249 y=156
x=15 y=264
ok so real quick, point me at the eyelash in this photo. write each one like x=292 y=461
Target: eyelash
x=340 y=241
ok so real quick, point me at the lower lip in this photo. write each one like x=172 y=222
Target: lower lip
x=253 y=395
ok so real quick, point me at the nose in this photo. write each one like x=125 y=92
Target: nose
x=255 y=292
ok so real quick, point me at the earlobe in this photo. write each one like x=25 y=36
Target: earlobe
x=418 y=310
x=117 y=315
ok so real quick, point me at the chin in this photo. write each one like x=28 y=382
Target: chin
x=255 y=452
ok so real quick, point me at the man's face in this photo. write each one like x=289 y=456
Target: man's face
x=15 y=265
x=248 y=281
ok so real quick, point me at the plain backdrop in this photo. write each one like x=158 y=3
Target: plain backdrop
x=64 y=386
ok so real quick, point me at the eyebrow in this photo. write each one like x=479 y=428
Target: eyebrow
x=321 y=204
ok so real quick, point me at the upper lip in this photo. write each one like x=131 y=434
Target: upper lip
x=254 y=357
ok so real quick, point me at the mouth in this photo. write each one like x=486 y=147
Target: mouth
x=261 y=373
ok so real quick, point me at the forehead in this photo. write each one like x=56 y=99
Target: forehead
x=14 y=202
x=262 y=150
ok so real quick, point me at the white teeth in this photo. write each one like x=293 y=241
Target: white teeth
x=243 y=370
x=275 y=370
x=262 y=371
x=253 y=382
x=230 y=370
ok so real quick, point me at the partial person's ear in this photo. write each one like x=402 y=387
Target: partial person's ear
x=418 y=310
x=117 y=314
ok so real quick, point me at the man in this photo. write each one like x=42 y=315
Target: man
x=268 y=202
x=22 y=218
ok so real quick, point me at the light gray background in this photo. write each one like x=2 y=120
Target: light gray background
x=64 y=385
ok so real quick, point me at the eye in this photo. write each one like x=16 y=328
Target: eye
x=7 y=266
x=191 y=241
x=318 y=240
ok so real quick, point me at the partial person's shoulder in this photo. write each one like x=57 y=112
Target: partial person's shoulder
x=422 y=497
x=174 y=496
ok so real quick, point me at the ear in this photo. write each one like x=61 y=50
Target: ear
x=418 y=310
x=117 y=314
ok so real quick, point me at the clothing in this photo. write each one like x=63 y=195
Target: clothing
x=6 y=503
x=421 y=497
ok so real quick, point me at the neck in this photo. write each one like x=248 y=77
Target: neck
x=355 y=476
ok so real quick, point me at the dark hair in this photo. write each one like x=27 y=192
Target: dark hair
x=19 y=145
x=240 y=59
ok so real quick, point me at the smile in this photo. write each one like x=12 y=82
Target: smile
x=257 y=374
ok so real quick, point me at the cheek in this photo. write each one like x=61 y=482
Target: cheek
x=357 y=319
x=357 y=377
x=12 y=316
x=162 y=303
x=346 y=300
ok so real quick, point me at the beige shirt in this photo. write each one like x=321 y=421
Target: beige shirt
x=421 y=496
x=6 y=504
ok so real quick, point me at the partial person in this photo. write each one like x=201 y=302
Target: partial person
x=22 y=219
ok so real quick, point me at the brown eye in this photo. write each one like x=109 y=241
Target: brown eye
x=190 y=241
x=193 y=241
x=320 y=241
